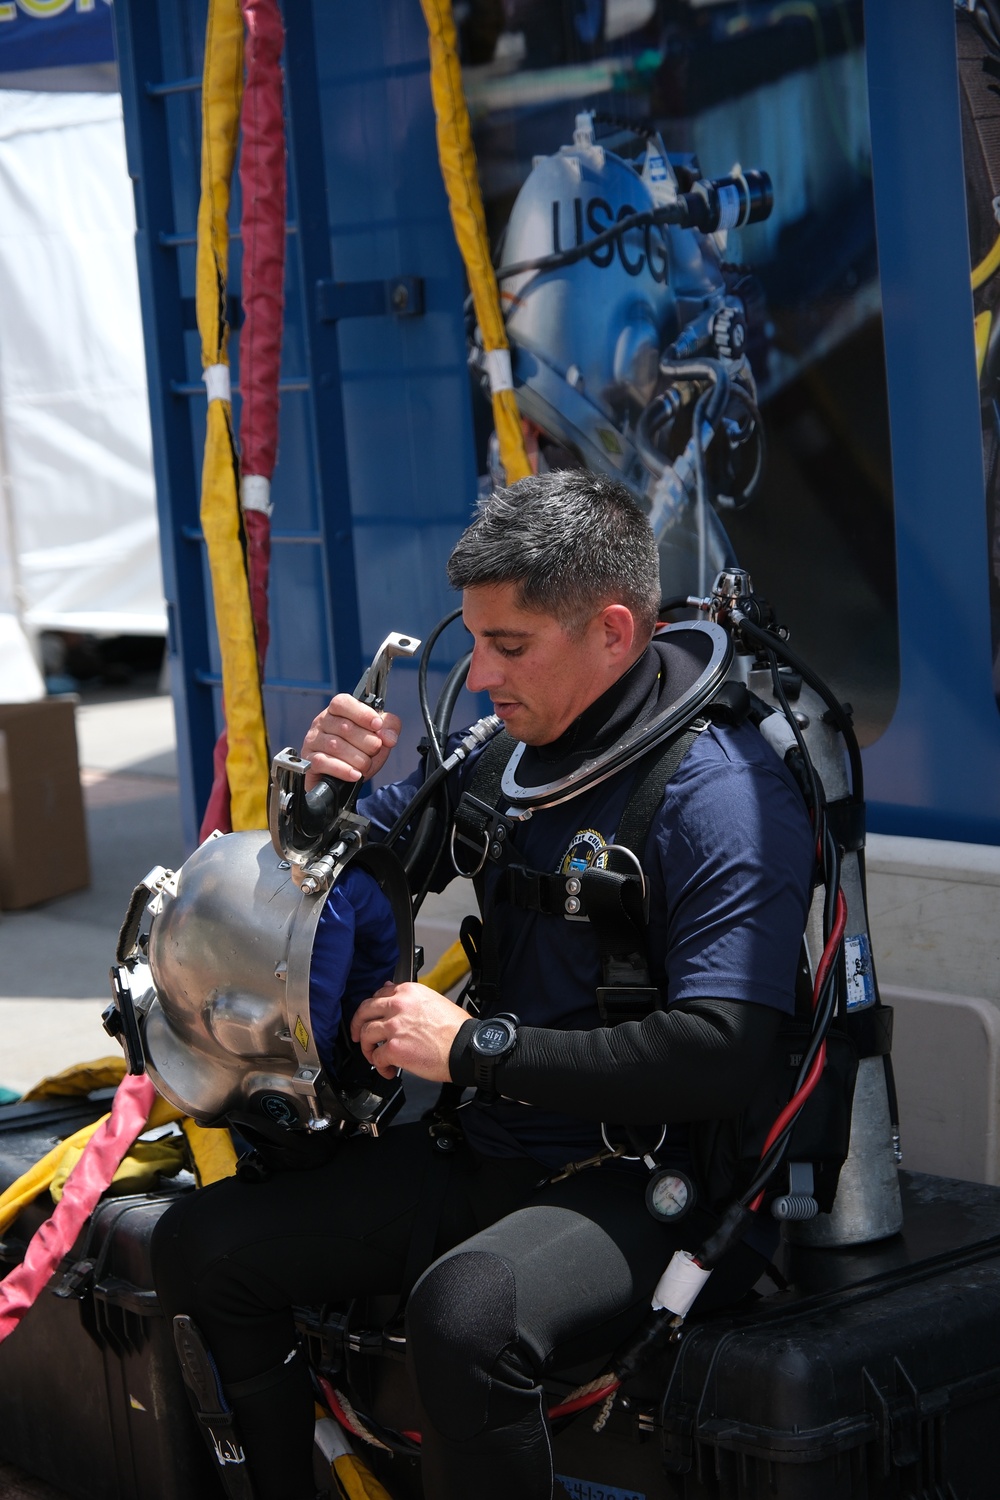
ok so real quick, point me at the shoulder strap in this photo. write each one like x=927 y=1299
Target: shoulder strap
x=647 y=792
x=487 y=774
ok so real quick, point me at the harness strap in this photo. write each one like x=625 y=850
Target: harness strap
x=617 y=911
x=647 y=793
x=613 y=901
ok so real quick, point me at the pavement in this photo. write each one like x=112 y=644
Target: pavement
x=54 y=957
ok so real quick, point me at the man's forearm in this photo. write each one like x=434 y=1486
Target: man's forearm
x=698 y=1061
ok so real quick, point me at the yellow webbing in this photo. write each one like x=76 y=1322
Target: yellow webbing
x=37 y=1178
x=81 y=1078
x=983 y=325
x=986 y=267
x=461 y=179
x=356 y=1480
x=211 y=1150
x=246 y=758
x=449 y=969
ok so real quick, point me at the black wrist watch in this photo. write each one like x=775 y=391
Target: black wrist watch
x=491 y=1041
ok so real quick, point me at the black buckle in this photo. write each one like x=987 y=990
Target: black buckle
x=480 y=828
x=626 y=1003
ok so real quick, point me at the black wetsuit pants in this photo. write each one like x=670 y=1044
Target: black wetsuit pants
x=526 y=1279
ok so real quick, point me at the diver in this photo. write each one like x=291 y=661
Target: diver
x=532 y=1243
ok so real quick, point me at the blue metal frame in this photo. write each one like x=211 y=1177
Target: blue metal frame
x=313 y=244
x=936 y=771
x=141 y=69
x=363 y=518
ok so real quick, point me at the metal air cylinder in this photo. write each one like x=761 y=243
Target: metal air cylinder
x=867 y=1205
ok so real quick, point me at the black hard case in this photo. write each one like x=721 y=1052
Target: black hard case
x=876 y=1375
x=91 y=1398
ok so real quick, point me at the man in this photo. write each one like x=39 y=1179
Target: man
x=524 y=1268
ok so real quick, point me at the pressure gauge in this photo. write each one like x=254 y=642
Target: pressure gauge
x=669 y=1195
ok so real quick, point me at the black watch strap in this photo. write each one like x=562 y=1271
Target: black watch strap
x=493 y=1039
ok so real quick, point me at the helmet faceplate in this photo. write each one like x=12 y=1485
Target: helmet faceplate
x=229 y=1029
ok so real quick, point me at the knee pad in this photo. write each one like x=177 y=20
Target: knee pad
x=460 y=1319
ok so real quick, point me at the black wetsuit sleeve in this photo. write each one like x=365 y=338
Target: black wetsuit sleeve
x=700 y=1060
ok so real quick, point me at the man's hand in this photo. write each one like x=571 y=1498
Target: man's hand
x=348 y=741
x=408 y=1026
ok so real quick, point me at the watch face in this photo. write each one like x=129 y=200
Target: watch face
x=492 y=1037
x=669 y=1195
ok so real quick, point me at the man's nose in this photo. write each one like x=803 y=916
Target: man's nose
x=484 y=672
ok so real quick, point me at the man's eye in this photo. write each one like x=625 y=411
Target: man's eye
x=509 y=650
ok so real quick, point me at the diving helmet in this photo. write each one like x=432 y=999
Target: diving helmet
x=628 y=334
x=212 y=985
x=214 y=964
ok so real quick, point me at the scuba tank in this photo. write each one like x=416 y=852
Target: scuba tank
x=867 y=1205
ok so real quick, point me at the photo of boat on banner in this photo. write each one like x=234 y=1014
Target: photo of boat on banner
x=679 y=202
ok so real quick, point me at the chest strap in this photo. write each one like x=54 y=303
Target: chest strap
x=614 y=902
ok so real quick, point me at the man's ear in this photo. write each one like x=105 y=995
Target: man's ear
x=620 y=637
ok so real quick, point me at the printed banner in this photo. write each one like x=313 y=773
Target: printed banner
x=54 y=34
x=679 y=199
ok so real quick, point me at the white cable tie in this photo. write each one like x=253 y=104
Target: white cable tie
x=497 y=363
x=255 y=493
x=216 y=378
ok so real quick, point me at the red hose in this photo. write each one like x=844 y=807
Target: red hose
x=580 y=1403
x=812 y=1078
x=564 y=1409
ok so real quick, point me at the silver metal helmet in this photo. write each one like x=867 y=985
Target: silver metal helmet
x=215 y=960
x=210 y=987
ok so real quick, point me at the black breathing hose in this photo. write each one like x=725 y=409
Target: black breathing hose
x=435 y=745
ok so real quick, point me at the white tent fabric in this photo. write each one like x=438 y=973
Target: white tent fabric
x=75 y=443
x=20 y=679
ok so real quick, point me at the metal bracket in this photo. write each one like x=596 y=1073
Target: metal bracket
x=306 y=825
x=401 y=296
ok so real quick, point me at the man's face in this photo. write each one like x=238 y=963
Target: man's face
x=539 y=675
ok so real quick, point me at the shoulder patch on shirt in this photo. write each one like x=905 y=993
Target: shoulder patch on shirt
x=587 y=849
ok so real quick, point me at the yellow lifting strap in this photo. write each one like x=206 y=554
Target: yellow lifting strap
x=461 y=179
x=211 y=1150
x=449 y=969
x=222 y=89
x=987 y=266
x=983 y=327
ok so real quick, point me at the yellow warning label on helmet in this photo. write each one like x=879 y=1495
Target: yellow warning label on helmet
x=301 y=1034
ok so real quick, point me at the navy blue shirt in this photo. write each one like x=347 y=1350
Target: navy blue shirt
x=729 y=860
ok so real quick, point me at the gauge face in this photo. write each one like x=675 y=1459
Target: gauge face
x=669 y=1194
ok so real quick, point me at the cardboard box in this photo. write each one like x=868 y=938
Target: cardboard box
x=43 y=833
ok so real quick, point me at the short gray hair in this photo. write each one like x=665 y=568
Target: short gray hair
x=571 y=541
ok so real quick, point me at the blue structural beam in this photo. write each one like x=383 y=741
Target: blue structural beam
x=313 y=247
x=936 y=771
x=142 y=69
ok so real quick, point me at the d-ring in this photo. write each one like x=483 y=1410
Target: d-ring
x=468 y=874
x=642 y=1157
